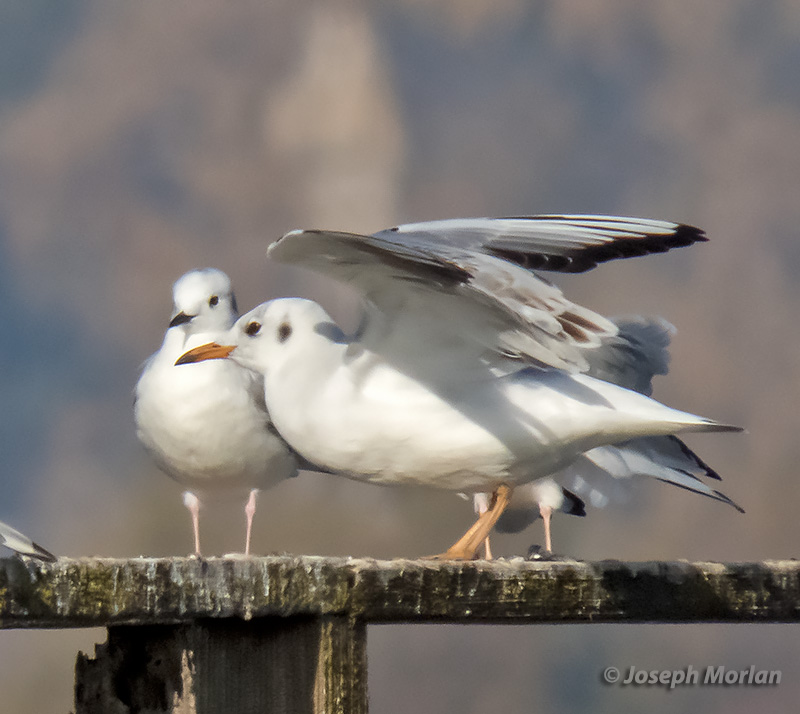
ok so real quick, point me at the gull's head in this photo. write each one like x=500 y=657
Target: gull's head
x=203 y=301
x=272 y=334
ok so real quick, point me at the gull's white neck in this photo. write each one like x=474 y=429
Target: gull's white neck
x=173 y=346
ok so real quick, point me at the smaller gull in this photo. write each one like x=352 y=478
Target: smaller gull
x=16 y=541
x=465 y=373
x=540 y=498
x=207 y=425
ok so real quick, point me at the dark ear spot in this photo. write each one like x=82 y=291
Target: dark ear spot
x=253 y=328
x=284 y=331
x=330 y=331
x=213 y=301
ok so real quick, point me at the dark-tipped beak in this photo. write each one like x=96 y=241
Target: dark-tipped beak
x=210 y=351
x=180 y=319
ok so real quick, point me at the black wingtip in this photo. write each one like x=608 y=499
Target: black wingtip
x=43 y=554
x=682 y=236
x=699 y=463
x=589 y=257
x=722 y=497
x=716 y=495
x=577 y=505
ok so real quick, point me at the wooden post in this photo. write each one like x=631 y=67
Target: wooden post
x=269 y=665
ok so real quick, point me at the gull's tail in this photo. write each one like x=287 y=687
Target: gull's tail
x=665 y=458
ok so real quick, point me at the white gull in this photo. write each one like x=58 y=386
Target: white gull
x=207 y=425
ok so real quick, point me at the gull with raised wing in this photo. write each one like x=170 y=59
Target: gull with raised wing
x=20 y=543
x=466 y=371
x=207 y=425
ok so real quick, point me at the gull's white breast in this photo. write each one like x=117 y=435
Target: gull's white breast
x=203 y=425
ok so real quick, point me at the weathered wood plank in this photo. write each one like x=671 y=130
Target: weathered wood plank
x=94 y=592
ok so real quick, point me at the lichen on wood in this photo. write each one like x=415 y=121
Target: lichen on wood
x=91 y=592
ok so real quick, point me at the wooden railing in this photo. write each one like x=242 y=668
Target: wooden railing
x=288 y=634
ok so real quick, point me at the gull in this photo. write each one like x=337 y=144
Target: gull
x=467 y=371
x=206 y=425
x=19 y=543
x=631 y=358
x=538 y=499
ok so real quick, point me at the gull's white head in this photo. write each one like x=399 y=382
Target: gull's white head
x=273 y=334
x=203 y=301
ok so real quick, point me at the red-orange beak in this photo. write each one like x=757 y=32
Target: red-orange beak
x=210 y=351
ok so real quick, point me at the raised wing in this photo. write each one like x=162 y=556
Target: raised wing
x=565 y=243
x=424 y=288
x=477 y=272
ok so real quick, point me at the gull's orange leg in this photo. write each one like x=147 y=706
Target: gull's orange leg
x=466 y=547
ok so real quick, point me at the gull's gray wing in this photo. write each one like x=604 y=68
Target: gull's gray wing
x=563 y=243
x=632 y=357
x=16 y=541
x=424 y=289
x=470 y=273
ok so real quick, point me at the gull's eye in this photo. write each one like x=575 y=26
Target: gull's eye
x=253 y=328
x=213 y=301
x=284 y=332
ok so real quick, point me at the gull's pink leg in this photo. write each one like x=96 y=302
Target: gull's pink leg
x=546 y=512
x=483 y=506
x=249 y=512
x=193 y=504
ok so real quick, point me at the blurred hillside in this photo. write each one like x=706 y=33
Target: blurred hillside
x=140 y=140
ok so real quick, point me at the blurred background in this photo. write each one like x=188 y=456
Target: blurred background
x=139 y=140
